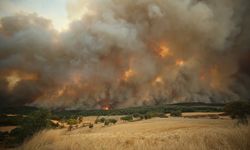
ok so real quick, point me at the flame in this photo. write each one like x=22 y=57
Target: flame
x=106 y=107
x=158 y=80
x=128 y=74
x=164 y=51
x=60 y=91
x=179 y=62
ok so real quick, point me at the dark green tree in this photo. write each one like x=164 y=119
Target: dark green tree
x=238 y=110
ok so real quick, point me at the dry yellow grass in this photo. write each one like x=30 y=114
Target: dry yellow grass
x=153 y=134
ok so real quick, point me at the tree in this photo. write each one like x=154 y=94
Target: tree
x=113 y=121
x=127 y=118
x=238 y=110
x=71 y=121
x=33 y=123
x=176 y=113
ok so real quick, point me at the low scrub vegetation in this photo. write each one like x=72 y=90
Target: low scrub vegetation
x=147 y=115
x=176 y=113
x=72 y=121
x=106 y=121
x=127 y=118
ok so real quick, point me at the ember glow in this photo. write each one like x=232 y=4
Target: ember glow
x=158 y=80
x=164 y=51
x=106 y=107
x=128 y=74
x=114 y=54
x=179 y=62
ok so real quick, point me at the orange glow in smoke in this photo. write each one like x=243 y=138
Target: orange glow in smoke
x=61 y=91
x=106 y=107
x=15 y=77
x=215 y=78
x=128 y=74
x=203 y=76
x=12 y=81
x=164 y=51
x=158 y=80
x=179 y=62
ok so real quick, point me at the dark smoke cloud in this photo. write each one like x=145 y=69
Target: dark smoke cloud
x=127 y=53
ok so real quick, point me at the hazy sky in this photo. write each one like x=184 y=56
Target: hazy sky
x=55 y=10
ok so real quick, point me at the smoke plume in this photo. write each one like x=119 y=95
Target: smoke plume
x=121 y=53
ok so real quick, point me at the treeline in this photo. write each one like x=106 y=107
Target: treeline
x=139 y=110
x=6 y=120
x=184 y=107
x=31 y=124
x=65 y=114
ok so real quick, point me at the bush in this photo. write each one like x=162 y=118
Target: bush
x=136 y=115
x=113 y=121
x=106 y=122
x=127 y=118
x=71 y=121
x=102 y=120
x=148 y=116
x=91 y=125
x=238 y=110
x=176 y=113
x=162 y=115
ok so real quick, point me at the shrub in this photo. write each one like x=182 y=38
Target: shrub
x=91 y=125
x=113 y=121
x=127 y=118
x=106 y=122
x=147 y=116
x=71 y=121
x=162 y=115
x=102 y=120
x=136 y=115
x=176 y=113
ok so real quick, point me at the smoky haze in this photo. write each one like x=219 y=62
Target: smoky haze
x=122 y=53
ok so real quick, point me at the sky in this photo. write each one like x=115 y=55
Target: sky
x=55 y=10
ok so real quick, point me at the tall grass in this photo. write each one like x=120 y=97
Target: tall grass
x=182 y=134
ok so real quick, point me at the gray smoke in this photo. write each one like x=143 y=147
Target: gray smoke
x=122 y=53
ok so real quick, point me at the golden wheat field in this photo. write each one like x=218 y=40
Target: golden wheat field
x=154 y=134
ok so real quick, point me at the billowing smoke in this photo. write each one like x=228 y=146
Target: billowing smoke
x=120 y=53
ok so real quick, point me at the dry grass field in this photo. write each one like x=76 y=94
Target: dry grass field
x=153 y=134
